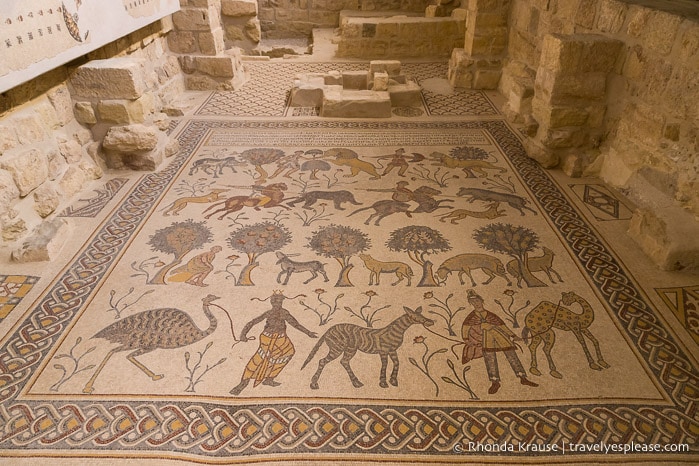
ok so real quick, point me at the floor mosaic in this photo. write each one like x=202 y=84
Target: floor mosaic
x=411 y=290
x=267 y=91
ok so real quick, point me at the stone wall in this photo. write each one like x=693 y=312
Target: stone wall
x=640 y=129
x=48 y=152
x=298 y=18
x=395 y=37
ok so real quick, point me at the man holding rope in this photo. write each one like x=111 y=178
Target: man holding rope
x=485 y=334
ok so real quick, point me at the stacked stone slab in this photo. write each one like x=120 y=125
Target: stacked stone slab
x=399 y=36
x=241 y=24
x=569 y=101
x=198 y=39
x=357 y=94
x=478 y=65
x=116 y=98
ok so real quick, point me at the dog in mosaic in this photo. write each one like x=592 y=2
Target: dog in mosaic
x=346 y=339
x=466 y=263
x=271 y=196
x=477 y=194
x=492 y=211
x=337 y=197
x=376 y=268
x=178 y=205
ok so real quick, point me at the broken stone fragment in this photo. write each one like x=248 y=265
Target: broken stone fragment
x=132 y=138
x=44 y=243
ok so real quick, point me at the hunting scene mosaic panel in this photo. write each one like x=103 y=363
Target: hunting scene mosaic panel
x=301 y=287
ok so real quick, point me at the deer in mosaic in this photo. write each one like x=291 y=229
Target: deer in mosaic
x=346 y=339
x=541 y=321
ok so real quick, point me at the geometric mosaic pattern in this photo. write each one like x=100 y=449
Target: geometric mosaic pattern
x=601 y=202
x=12 y=289
x=94 y=205
x=684 y=303
x=211 y=429
x=266 y=92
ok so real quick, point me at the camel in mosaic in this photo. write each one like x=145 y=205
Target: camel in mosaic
x=541 y=321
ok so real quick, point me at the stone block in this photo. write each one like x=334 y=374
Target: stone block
x=46 y=200
x=579 y=53
x=405 y=95
x=114 y=78
x=29 y=129
x=339 y=103
x=380 y=82
x=562 y=89
x=460 y=74
x=253 y=30
x=308 y=93
x=220 y=67
x=62 y=104
x=8 y=138
x=660 y=30
x=486 y=79
x=84 y=113
x=556 y=116
x=357 y=80
x=391 y=67
x=44 y=243
x=72 y=181
x=641 y=123
x=585 y=14
x=9 y=192
x=113 y=111
x=612 y=14
x=563 y=138
x=211 y=43
x=71 y=151
x=182 y=42
x=57 y=164
x=238 y=8
x=13 y=227
x=29 y=169
x=192 y=19
x=132 y=138
x=669 y=236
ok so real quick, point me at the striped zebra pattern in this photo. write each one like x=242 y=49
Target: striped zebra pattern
x=347 y=339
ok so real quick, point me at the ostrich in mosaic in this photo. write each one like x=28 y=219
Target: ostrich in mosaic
x=141 y=333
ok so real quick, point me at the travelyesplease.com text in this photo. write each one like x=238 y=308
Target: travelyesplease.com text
x=565 y=447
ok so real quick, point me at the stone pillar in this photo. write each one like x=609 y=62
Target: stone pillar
x=569 y=100
x=479 y=64
x=198 y=40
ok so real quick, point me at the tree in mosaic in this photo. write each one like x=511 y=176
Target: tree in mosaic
x=259 y=157
x=340 y=243
x=419 y=241
x=515 y=241
x=179 y=239
x=255 y=240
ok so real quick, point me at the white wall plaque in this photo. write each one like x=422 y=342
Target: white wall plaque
x=39 y=35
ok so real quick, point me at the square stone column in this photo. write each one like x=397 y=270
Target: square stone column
x=569 y=100
x=478 y=65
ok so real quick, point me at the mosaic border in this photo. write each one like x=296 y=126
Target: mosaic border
x=216 y=432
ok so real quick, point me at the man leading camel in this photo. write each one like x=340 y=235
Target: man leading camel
x=485 y=334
